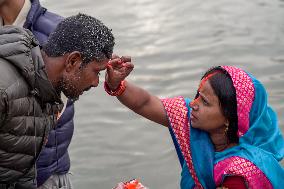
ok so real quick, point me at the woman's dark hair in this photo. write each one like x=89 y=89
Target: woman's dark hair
x=224 y=89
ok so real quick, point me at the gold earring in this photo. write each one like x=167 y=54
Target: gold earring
x=226 y=129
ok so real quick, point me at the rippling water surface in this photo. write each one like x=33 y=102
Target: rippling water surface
x=172 y=43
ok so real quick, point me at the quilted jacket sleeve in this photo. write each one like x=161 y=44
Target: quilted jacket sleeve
x=3 y=107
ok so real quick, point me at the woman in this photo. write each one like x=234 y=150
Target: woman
x=227 y=136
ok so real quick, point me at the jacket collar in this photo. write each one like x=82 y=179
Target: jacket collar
x=35 y=11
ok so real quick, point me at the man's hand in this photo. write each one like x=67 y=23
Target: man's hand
x=117 y=70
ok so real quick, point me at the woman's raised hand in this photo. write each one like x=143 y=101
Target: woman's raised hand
x=118 y=69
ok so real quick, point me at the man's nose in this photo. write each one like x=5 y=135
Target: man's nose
x=95 y=82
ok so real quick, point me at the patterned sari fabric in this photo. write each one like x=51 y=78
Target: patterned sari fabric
x=261 y=145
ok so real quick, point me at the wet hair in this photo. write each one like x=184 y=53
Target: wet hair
x=84 y=34
x=224 y=89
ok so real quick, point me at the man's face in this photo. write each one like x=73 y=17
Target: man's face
x=82 y=79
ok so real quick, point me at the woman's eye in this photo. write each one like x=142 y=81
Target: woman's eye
x=205 y=102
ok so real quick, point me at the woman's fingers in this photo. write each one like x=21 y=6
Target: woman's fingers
x=116 y=63
x=118 y=69
x=126 y=58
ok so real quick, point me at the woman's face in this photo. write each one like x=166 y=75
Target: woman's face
x=206 y=111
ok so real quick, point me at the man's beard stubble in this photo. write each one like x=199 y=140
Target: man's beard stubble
x=69 y=90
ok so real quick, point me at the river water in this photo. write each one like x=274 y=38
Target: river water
x=172 y=44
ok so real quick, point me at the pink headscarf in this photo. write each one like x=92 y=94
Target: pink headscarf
x=245 y=96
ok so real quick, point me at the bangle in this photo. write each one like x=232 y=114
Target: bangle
x=118 y=91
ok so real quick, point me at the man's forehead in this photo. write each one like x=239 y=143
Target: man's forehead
x=102 y=65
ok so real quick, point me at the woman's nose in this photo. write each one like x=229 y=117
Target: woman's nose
x=193 y=104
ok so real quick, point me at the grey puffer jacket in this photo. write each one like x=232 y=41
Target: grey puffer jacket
x=28 y=104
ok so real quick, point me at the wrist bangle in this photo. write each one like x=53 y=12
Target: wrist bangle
x=118 y=91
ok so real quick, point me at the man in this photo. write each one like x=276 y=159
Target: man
x=31 y=82
x=53 y=161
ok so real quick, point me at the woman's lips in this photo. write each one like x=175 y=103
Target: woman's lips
x=193 y=117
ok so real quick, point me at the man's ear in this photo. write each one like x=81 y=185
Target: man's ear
x=73 y=60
